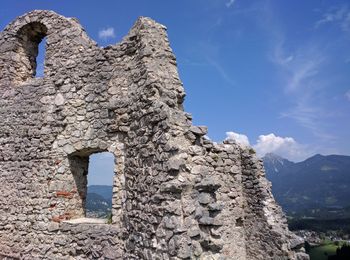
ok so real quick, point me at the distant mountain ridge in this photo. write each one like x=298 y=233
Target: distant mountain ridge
x=106 y=191
x=318 y=182
x=276 y=163
x=99 y=200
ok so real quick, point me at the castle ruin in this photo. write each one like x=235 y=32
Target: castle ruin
x=176 y=194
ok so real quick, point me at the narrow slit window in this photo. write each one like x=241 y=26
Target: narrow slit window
x=40 y=59
x=32 y=50
x=100 y=185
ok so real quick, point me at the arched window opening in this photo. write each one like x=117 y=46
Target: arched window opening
x=100 y=185
x=30 y=63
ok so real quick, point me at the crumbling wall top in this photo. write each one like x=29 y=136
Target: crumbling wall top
x=19 y=42
x=53 y=22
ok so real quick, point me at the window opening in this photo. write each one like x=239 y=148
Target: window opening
x=100 y=185
x=31 y=43
x=40 y=59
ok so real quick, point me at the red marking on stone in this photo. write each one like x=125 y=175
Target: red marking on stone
x=65 y=194
x=56 y=219
x=60 y=218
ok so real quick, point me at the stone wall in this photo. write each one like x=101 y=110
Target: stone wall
x=176 y=194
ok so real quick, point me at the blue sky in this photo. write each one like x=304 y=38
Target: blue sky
x=101 y=169
x=271 y=73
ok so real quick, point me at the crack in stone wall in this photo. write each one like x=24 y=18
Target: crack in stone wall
x=176 y=195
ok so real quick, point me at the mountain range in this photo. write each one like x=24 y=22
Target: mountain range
x=317 y=185
x=99 y=201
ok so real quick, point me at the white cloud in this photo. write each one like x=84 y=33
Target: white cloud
x=104 y=34
x=239 y=138
x=285 y=147
x=207 y=137
x=230 y=3
x=347 y=94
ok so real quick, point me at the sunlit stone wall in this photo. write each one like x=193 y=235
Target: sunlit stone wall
x=176 y=194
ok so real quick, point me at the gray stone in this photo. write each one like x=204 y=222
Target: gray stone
x=206 y=220
x=208 y=184
x=174 y=164
x=302 y=256
x=199 y=130
x=59 y=99
x=193 y=231
x=176 y=194
x=204 y=198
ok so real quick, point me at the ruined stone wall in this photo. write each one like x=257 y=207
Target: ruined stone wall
x=176 y=195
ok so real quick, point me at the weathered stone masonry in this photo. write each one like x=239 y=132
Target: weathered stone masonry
x=176 y=195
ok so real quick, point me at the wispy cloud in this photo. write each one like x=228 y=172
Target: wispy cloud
x=191 y=62
x=347 y=95
x=212 y=57
x=230 y=3
x=304 y=71
x=338 y=15
x=310 y=116
x=300 y=71
x=221 y=71
x=208 y=61
x=300 y=66
x=107 y=33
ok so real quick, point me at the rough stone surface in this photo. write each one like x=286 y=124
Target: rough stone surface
x=177 y=195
